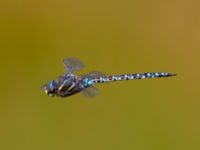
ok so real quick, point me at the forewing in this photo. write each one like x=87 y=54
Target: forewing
x=72 y=64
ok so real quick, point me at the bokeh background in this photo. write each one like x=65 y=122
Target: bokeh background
x=113 y=37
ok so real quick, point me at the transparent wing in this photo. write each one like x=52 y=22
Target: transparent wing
x=91 y=91
x=43 y=87
x=95 y=74
x=72 y=64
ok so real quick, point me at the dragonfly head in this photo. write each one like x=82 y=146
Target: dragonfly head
x=50 y=88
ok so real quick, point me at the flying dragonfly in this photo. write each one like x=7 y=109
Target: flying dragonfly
x=70 y=83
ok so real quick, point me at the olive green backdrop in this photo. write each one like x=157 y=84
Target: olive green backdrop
x=113 y=37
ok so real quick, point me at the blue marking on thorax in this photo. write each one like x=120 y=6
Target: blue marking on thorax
x=88 y=82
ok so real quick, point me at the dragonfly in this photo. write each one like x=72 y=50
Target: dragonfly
x=70 y=84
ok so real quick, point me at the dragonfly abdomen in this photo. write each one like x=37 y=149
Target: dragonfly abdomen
x=122 y=77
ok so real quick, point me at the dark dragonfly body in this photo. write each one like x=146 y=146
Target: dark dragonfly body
x=70 y=84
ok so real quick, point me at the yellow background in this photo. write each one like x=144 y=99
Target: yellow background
x=113 y=37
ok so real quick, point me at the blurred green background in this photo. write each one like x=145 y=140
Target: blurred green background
x=113 y=37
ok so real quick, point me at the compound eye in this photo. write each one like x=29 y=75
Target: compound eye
x=52 y=86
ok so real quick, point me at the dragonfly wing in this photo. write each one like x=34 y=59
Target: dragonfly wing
x=72 y=64
x=95 y=74
x=91 y=91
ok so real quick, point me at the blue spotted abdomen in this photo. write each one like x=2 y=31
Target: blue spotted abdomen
x=87 y=82
x=104 y=79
